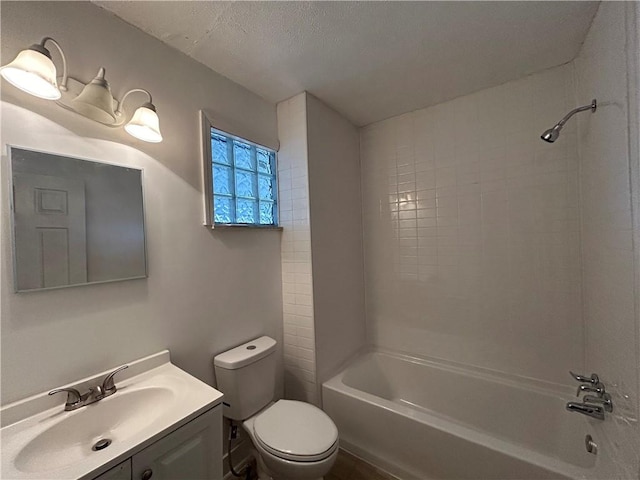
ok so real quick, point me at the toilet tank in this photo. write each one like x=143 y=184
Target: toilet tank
x=247 y=377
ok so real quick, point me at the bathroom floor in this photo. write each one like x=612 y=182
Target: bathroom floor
x=350 y=467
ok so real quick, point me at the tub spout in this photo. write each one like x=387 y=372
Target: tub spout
x=594 y=411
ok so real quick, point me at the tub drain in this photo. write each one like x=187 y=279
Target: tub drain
x=101 y=444
x=592 y=447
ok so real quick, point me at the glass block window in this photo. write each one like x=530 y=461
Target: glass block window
x=244 y=182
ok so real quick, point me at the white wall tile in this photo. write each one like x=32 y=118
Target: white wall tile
x=299 y=344
x=607 y=168
x=459 y=225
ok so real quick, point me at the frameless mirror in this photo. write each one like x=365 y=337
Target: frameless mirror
x=75 y=221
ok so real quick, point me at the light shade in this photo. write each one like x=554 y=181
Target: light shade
x=95 y=101
x=145 y=124
x=33 y=71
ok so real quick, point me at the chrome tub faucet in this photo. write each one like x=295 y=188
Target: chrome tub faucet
x=593 y=406
x=590 y=410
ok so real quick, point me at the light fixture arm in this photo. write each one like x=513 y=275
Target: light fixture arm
x=591 y=107
x=133 y=90
x=63 y=83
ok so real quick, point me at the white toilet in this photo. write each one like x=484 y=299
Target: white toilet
x=294 y=440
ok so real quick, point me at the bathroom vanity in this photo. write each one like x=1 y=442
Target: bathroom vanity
x=184 y=453
x=161 y=423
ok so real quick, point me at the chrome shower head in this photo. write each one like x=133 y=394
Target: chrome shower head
x=552 y=134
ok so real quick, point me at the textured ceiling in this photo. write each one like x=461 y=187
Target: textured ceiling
x=368 y=60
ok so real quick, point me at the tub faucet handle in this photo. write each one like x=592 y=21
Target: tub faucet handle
x=598 y=389
x=604 y=400
x=594 y=379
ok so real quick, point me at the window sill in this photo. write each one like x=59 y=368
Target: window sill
x=241 y=226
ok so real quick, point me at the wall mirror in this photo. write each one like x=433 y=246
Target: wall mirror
x=74 y=221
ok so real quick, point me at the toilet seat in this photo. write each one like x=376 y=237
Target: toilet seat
x=296 y=431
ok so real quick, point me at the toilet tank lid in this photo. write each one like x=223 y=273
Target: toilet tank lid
x=245 y=354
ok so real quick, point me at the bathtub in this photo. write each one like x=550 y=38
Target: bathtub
x=425 y=419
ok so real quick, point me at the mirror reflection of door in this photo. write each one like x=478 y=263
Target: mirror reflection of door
x=50 y=229
x=75 y=221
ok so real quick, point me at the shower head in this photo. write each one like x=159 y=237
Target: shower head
x=553 y=133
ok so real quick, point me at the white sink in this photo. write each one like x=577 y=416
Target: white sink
x=56 y=444
x=116 y=418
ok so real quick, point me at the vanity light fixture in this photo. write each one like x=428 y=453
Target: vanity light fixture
x=34 y=72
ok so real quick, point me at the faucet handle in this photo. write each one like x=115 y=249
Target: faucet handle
x=74 y=399
x=604 y=400
x=598 y=388
x=582 y=378
x=108 y=387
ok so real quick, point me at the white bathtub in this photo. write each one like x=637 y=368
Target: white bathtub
x=422 y=419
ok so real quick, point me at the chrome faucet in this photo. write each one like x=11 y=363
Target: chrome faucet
x=590 y=410
x=593 y=405
x=76 y=400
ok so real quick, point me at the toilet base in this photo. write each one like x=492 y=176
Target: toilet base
x=264 y=473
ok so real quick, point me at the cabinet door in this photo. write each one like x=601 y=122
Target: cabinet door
x=193 y=452
x=119 y=472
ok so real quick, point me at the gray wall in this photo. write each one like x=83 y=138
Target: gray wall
x=206 y=291
x=336 y=237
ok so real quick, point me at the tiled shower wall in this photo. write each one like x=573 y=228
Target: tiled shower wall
x=471 y=230
x=607 y=68
x=293 y=184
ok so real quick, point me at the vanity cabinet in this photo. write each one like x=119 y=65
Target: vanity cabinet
x=119 y=472
x=192 y=452
x=162 y=422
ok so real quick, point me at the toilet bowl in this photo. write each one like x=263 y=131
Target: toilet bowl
x=294 y=440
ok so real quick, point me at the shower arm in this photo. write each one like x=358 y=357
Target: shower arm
x=591 y=107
